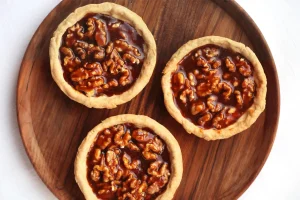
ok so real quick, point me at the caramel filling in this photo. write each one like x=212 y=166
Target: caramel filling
x=101 y=55
x=126 y=162
x=213 y=86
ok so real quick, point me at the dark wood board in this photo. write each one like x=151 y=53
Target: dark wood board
x=52 y=126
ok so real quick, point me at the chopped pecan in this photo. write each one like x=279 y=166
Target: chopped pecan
x=226 y=75
x=227 y=89
x=81 y=52
x=125 y=78
x=231 y=110
x=69 y=59
x=97 y=154
x=103 y=191
x=248 y=84
x=202 y=62
x=121 y=138
x=115 y=149
x=187 y=92
x=198 y=53
x=218 y=117
x=215 y=83
x=88 y=85
x=106 y=172
x=95 y=175
x=116 y=128
x=198 y=75
x=96 y=51
x=153 y=188
x=211 y=52
x=132 y=147
x=109 y=47
x=131 y=58
x=236 y=82
x=143 y=187
x=111 y=158
x=205 y=118
x=116 y=57
x=94 y=65
x=230 y=64
x=141 y=135
x=91 y=27
x=158 y=169
x=104 y=141
x=216 y=63
x=128 y=196
x=244 y=67
x=155 y=146
x=178 y=79
x=115 y=63
x=192 y=79
x=116 y=25
x=81 y=44
x=113 y=68
x=101 y=36
x=123 y=46
x=129 y=163
x=107 y=131
x=119 y=174
x=79 y=75
x=113 y=83
x=92 y=70
x=197 y=108
x=213 y=105
x=239 y=98
x=115 y=185
x=75 y=29
x=204 y=89
x=249 y=94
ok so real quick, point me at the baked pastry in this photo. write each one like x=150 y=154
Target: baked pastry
x=102 y=55
x=214 y=87
x=128 y=157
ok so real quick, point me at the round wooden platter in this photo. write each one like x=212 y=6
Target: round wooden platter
x=52 y=126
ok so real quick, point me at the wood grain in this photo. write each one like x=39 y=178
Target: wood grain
x=52 y=126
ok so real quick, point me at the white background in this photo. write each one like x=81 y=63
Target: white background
x=277 y=19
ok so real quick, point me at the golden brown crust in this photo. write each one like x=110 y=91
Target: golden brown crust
x=141 y=122
x=247 y=119
x=118 y=12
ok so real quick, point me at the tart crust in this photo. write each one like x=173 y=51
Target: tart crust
x=80 y=166
x=247 y=119
x=118 y=12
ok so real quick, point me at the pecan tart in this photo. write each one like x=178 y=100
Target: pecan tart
x=129 y=157
x=102 y=55
x=214 y=87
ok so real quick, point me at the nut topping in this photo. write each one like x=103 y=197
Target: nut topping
x=197 y=108
x=100 y=57
x=213 y=87
x=127 y=162
x=230 y=65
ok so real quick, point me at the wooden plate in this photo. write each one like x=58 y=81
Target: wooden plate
x=52 y=126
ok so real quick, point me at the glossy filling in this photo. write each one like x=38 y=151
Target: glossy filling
x=213 y=86
x=101 y=55
x=126 y=162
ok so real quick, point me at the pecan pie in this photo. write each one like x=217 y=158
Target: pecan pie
x=214 y=87
x=129 y=157
x=102 y=55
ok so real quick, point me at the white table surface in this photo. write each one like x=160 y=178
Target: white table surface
x=277 y=19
